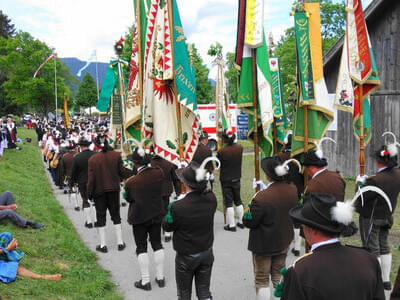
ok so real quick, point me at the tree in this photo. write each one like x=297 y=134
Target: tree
x=87 y=92
x=333 y=21
x=232 y=77
x=20 y=57
x=6 y=28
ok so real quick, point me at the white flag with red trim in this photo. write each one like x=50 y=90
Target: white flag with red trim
x=43 y=63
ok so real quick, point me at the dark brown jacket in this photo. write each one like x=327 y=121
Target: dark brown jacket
x=170 y=178
x=79 y=169
x=395 y=295
x=202 y=152
x=67 y=163
x=230 y=157
x=193 y=222
x=327 y=182
x=389 y=181
x=105 y=172
x=271 y=228
x=143 y=192
x=333 y=272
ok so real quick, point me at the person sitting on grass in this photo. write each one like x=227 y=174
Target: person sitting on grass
x=9 y=262
x=8 y=211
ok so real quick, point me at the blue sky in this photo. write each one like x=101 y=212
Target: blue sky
x=76 y=27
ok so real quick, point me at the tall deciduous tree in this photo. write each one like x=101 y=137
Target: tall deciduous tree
x=87 y=92
x=204 y=90
x=232 y=77
x=22 y=56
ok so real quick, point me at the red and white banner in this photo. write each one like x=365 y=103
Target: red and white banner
x=43 y=63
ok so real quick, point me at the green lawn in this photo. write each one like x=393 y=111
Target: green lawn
x=247 y=193
x=56 y=248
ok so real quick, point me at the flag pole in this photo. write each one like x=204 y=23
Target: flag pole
x=362 y=154
x=55 y=84
x=139 y=45
x=271 y=44
x=218 y=91
x=305 y=145
x=97 y=78
x=255 y=117
x=178 y=106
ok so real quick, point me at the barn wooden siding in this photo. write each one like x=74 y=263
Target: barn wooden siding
x=383 y=22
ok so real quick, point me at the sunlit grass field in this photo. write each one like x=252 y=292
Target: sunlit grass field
x=57 y=247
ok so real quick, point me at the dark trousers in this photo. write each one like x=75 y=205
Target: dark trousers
x=377 y=242
x=83 y=192
x=231 y=193
x=198 y=266
x=110 y=201
x=150 y=229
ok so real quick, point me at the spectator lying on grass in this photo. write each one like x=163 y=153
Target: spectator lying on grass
x=8 y=211
x=9 y=262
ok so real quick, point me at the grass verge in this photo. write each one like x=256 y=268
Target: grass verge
x=57 y=247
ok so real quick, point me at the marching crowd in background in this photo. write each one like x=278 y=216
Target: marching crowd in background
x=181 y=203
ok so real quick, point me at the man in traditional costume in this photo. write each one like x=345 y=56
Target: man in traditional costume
x=374 y=235
x=144 y=195
x=230 y=157
x=191 y=219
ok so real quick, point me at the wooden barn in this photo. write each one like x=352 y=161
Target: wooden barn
x=383 y=23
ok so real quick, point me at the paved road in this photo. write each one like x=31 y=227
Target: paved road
x=232 y=277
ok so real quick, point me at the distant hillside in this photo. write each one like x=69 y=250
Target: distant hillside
x=75 y=64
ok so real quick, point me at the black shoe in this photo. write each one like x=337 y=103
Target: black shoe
x=123 y=204
x=88 y=225
x=146 y=287
x=240 y=225
x=295 y=252
x=101 y=249
x=35 y=225
x=167 y=239
x=121 y=246
x=228 y=228
x=160 y=282
x=77 y=208
x=65 y=192
x=387 y=286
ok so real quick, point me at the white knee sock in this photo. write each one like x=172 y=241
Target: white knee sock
x=76 y=200
x=263 y=294
x=159 y=262
x=93 y=208
x=239 y=211
x=386 y=264
x=118 y=233
x=102 y=233
x=297 y=239
x=143 y=259
x=167 y=234
x=86 y=210
x=230 y=216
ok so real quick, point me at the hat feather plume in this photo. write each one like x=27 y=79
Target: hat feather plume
x=319 y=152
x=392 y=148
x=343 y=212
x=138 y=144
x=371 y=188
x=283 y=169
x=201 y=172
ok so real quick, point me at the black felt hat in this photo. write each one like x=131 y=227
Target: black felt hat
x=84 y=142
x=383 y=156
x=312 y=159
x=228 y=136
x=188 y=176
x=317 y=213
x=269 y=164
x=139 y=157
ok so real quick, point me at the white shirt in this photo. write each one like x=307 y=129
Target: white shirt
x=327 y=242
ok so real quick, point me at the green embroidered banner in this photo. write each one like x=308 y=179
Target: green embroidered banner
x=304 y=56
